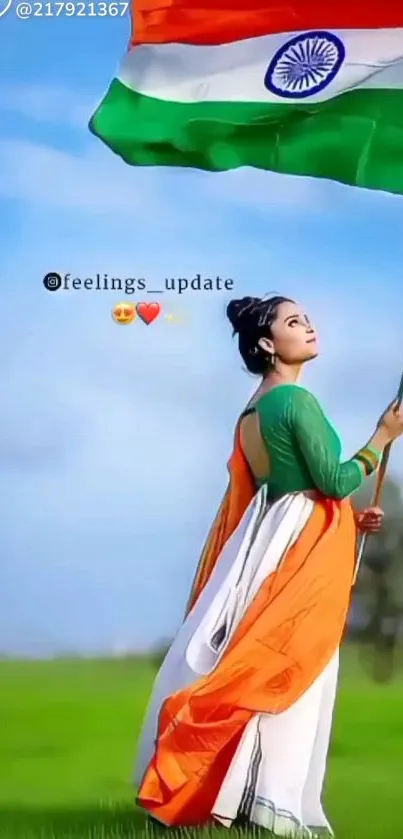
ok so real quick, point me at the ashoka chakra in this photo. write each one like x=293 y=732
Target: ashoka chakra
x=305 y=65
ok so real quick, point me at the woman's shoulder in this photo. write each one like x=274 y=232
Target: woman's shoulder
x=284 y=395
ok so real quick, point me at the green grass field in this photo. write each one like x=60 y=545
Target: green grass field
x=67 y=740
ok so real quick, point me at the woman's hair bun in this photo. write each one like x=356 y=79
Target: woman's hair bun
x=238 y=311
x=252 y=318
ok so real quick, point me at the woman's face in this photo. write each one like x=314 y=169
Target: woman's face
x=293 y=336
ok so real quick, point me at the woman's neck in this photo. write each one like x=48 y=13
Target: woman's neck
x=282 y=374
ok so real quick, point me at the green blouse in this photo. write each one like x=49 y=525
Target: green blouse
x=302 y=445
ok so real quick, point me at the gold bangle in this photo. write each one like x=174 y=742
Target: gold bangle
x=369 y=459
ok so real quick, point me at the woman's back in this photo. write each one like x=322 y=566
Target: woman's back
x=301 y=448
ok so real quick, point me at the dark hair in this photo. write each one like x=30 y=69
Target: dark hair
x=252 y=319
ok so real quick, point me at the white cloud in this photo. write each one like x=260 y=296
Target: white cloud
x=47 y=103
x=262 y=190
x=93 y=180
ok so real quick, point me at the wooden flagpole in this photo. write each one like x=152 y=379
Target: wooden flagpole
x=379 y=484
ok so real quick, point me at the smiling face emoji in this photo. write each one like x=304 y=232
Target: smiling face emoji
x=124 y=313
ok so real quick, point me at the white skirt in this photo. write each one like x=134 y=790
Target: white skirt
x=276 y=776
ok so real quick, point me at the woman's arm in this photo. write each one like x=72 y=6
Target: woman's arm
x=316 y=440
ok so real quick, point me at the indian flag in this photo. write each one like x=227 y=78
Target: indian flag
x=305 y=87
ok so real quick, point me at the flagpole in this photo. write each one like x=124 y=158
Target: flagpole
x=379 y=484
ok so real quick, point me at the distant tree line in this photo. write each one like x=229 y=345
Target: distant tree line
x=376 y=616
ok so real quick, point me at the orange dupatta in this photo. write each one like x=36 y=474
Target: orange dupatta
x=239 y=494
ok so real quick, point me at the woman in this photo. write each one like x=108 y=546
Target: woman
x=239 y=724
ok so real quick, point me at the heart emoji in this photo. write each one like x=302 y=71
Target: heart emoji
x=148 y=311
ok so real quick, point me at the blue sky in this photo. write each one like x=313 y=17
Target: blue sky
x=114 y=440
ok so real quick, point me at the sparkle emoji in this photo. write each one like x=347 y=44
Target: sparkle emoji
x=124 y=313
x=175 y=318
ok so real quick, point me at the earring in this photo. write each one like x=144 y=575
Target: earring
x=273 y=359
